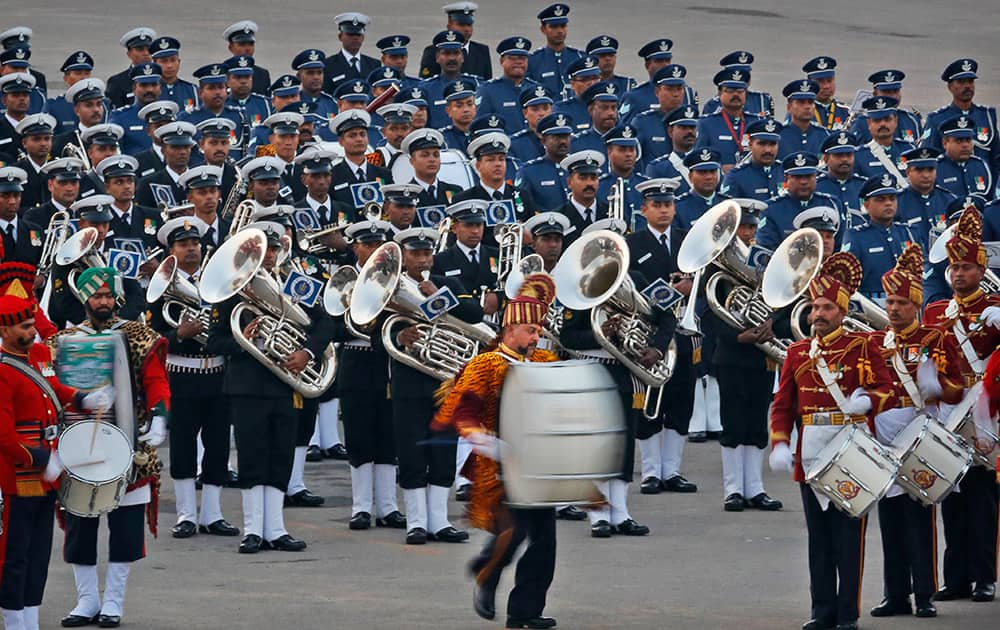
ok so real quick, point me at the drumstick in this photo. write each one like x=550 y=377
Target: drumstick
x=97 y=423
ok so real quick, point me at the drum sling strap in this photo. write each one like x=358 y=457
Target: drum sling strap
x=904 y=375
x=828 y=379
x=25 y=368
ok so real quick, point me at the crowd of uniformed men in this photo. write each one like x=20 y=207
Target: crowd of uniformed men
x=548 y=128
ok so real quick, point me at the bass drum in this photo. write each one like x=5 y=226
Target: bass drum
x=564 y=429
x=97 y=457
x=455 y=169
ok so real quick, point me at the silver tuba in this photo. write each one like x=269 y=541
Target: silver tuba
x=794 y=264
x=180 y=298
x=55 y=235
x=236 y=269
x=80 y=251
x=242 y=215
x=733 y=293
x=337 y=297
x=446 y=344
x=593 y=274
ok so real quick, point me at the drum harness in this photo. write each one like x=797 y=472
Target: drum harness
x=50 y=432
x=904 y=375
x=829 y=381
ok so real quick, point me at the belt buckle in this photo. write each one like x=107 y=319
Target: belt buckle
x=51 y=432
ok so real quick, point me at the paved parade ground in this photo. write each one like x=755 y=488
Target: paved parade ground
x=700 y=567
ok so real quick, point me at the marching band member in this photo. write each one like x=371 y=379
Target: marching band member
x=199 y=409
x=471 y=407
x=546 y=230
x=351 y=127
x=264 y=411
x=400 y=206
x=363 y=388
x=813 y=395
x=426 y=471
x=654 y=254
x=468 y=260
x=31 y=400
x=577 y=334
x=213 y=141
x=265 y=177
x=745 y=379
x=972 y=319
x=924 y=364
x=98 y=286
x=201 y=184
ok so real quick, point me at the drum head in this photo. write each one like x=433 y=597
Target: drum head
x=110 y=458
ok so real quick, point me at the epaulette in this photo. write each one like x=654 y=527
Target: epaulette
x=519 y=133
x=536 y=160
x=683 y=195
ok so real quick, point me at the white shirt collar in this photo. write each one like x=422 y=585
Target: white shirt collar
x=490 y=191
x=657 y=234
x=348 y=56
x=13 y=123
x=174 y=176
x=4 y=224
x=158 y=151
x=425 y=185
x=467 y=250
x=58 y=206
x=121 y=214
x=316 y=204
x=582 y=209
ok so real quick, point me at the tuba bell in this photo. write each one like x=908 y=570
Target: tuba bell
x=180 y=298
x=792 y=267
x=236 y=268
x=80 y=251
x=446 y=344
x=337 y=297
x=732 y=293
x=593 y=274
x=242 y=215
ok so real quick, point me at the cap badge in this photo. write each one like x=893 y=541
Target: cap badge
x=121 y=164
x=359 y=87
x=451 y=36
x=664 y=45
x=737 y=76
x=627 y=132
x=925 y=154
x=690 y=113
x=743 y=58
x=81 y=58
x=164 y=44
x=313 y=55
x=354 y=21
x=589 y=161
x=519 y=43
x=886 y=180
x=552 y=220
x=560 y=121
x=705 y=155
x=664 y=188
x=677 y=72
x=879 y=103
x=10 y=177
x=822 y=64
x=494 y=121
x=842 y=138
x=610 y=89
x=20 y=53
x=496 y=144
x=286 y=82
x=967 y=66
x=247 y=30
x=244 y=62
x=558 y=11
x=540 y=91
x=417 y=93
x=387 y=73
x=147 y=70
x=800 y=160
x=804 y=86
x=770 y=127
x=588 y=62
x=429 y=137
x=889 y=77
x=963 y=122
x=459 y=87
x=605 y=41
x=216 y=71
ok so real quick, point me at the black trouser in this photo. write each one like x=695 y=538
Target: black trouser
x=265 y=439
x=909 y=547
x=744 y=398
x=29 y=545
x=367 y=426
x=535 y=568
x=307 y=421
x=836 y=560
x=678 y=402
x=970 y=530
x=422 y=464
x=127 y=542
x=188 y=416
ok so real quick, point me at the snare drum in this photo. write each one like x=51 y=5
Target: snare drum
x=854 y=471
x=94 y=479
x=565 y=428
x=982 y=441
x=933 y=459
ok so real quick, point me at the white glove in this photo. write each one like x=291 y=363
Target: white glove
x=991 y=316
x=890 y=422
x=859 y=403
x=101 y=398
x=927 y=380
x=157 y=431
x=54 y=468
x=781 y=458
x=486 y=444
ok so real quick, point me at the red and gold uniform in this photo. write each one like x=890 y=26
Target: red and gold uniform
x=471 y=404
x=970 y=515
x=27 y=419
x=836 y=541
x=908 y=527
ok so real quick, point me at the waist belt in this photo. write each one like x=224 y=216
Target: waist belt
x=831 y=418
x=905 y=401
x=179 y=364
x=362 y=346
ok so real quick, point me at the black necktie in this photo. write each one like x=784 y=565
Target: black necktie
x=430 y=191
x=323 y=214
x=354 y=64
x=210 y=234
x=497 y=195
x=665 y=242
x=472 y=257
x=588 y=215
x=361 y=174
x=10 y=233
x=126 y=219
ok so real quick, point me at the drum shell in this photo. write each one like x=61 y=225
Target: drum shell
x=564 y=429
x=933 y=460
x=854 y=471
x=91 y=489
x=984 y=445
